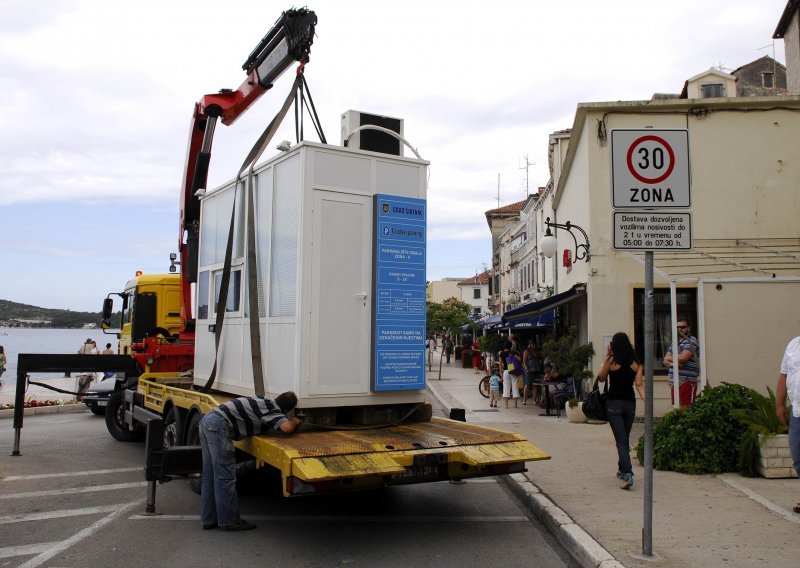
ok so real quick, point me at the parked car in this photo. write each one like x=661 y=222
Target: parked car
x=96 y=397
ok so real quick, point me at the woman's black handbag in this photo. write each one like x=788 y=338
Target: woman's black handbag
x=594 y=407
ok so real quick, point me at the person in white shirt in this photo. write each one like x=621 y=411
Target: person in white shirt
x=789 y=387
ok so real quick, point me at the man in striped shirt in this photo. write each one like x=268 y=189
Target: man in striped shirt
x=688 y=365
x=235 y=420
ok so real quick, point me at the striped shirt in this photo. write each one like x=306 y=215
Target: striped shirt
x=251 y=415
x=690 y=370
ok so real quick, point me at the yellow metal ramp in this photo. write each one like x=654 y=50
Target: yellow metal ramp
x=425 y=451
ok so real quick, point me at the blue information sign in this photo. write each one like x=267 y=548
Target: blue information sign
x=399 y=298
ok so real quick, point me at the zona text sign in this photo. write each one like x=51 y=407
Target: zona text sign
x=650 y=168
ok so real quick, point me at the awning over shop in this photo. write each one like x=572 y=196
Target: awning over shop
x=534 y=309
x=532 y=322
x=490 y=321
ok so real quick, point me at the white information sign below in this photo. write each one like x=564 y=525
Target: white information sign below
x=650 y=168
x=652 y=230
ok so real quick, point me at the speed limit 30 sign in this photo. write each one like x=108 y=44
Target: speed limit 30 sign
x=650 y=169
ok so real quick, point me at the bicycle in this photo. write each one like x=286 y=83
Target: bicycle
x=483 y=386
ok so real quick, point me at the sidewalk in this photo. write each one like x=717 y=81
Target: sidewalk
x=34 y=392
x=706 y=520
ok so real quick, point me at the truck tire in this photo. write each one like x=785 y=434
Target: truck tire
x=173 y=429
x=114 y=414
x=193 y=439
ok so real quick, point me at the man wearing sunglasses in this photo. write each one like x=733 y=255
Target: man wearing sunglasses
x=688 y=365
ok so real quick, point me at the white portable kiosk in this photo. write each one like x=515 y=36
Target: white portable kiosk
x=340 y=247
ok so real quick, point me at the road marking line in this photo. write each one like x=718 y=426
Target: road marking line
x=780 y=511
x=46 y=515
x=25 y=549
x=74 y=490
x=352 y=519
x=70 y=474
x=59 y=547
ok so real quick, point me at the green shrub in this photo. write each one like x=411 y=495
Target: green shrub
x=761 y=419
x=703 y=438
x=491 y=343
x=749 y=454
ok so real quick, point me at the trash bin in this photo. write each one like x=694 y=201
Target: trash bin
x=466 y=357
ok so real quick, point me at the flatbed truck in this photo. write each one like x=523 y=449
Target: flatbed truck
x=306 y=274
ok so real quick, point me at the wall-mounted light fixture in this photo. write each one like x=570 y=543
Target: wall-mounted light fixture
x=548 y=245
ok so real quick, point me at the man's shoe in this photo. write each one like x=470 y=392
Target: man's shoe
x=240 y=525
x=210 y=526
x=627 y=481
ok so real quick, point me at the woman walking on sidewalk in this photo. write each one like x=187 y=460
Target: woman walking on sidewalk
x=626 y=372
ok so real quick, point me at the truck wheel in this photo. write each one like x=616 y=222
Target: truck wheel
x=173 y=430
x=193 y=439
x=114 y=423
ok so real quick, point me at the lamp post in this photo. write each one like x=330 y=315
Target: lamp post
x=549 y=244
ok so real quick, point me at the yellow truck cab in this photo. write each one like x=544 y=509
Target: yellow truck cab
x=149 y=302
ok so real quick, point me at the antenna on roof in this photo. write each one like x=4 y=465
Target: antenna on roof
x=526 y=167
x=774 y=62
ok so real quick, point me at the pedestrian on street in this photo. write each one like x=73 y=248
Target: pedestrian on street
x=688 y=365
x=625 y=372
x=789 y=387
x=3 y=361
x=494 y=387
x=514 y=370
x=532 y=363
x=447 y=345
x=235 y=420
x=88 y=348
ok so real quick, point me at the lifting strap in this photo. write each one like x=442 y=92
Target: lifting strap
x=252 y=275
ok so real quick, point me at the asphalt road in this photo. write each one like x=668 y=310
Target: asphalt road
x=76 y=498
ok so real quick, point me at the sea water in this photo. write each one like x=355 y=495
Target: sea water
x=16 y=340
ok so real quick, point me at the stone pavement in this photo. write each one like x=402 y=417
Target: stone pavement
x=698 y=520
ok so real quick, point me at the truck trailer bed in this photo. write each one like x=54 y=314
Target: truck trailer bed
x=321 y=460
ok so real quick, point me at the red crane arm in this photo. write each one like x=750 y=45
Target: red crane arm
x=289 y=40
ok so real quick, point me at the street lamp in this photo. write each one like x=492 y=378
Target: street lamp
x=548 y=245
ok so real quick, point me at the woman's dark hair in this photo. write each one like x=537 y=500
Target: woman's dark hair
x=286 y=401
x=622 y=350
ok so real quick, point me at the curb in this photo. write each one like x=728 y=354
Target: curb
x=57 y=408
x=579 y=544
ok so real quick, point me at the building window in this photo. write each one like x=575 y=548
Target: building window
x=476 y=313
x=233 y=303
x=686 y=299
x=714 y=90
x=768 y=80
x=476 y=293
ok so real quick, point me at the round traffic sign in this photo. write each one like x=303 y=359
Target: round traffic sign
x=654 y=159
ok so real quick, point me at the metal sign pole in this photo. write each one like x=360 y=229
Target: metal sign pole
x=649 y=348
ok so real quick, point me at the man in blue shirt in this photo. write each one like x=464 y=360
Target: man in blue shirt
x=235 y=420
x=688 y=365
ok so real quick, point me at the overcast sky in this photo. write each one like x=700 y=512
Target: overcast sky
x=99 y=94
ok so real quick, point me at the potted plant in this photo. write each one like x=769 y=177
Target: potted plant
x=570 y=360
x=765 y=446
x=491 y=345
x=574 y=411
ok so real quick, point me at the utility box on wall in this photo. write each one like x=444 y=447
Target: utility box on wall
x=370 y=139
x=315 y=239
